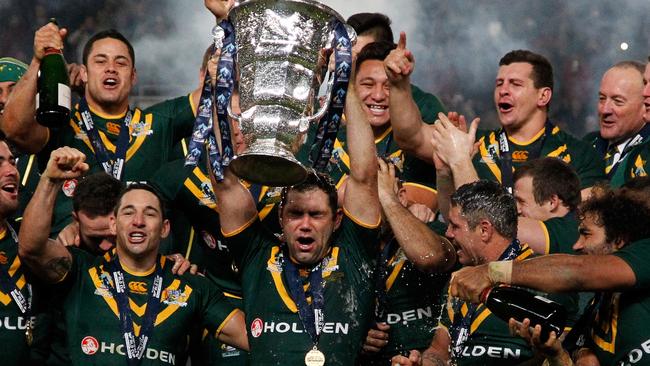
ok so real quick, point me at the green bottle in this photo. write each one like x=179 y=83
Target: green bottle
x=53 y=98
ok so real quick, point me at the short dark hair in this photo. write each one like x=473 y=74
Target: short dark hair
x=375 y=25
x=315 y=180
x=542 y=74
x=374 y=51
x=624 y=217
x=145 y=187
x=108 y=33
x=97 y=194
x=551 y=176
x=488 y=200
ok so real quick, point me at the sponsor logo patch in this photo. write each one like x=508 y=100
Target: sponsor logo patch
x=89 y=345
x=69 y=186
x=256 y=327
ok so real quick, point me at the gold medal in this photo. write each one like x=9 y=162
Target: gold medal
x=314 y=358
x=29 y=336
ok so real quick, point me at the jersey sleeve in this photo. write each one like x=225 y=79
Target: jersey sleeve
x=428 y=104
x=561 y=234
x=216 y=309
x=357 y=236
x=248 y=240
x=588 y=165
x=178 y=112
x=637 y=256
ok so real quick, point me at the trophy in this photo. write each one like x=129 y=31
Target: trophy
x=281 y=63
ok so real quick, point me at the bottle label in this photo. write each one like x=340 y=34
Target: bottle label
x=64 y=96
x=38 y=100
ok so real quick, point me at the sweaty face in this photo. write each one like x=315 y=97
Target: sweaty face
x=526 y=205
x=95 y=232
x=307 y=224
x=466 y=240
x=372 y=87
x=646 y=92
x=592 y=238
x=515 y=95
x=8 y=182
x=620 y=104
x=139 y=225
x=5 y=90
x=110 y=75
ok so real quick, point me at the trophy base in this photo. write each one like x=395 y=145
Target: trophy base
x=269 y=170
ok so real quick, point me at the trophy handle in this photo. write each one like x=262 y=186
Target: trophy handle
x=233 y=115
x=323 y=109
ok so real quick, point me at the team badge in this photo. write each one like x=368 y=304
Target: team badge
x=175 y=297
x=140 y=129
x=89 y=345
x=69 y=186
x=209 y=240
x=256 y=327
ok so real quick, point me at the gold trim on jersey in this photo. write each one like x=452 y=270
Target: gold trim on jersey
x=361 y=223
x=530 y=141
x=331 y=265
x=547 y=237
x=134 y=144
x=239 y=230
x=608 y=323
x=190 y=242
x=5 y=299
x=198 y=192
x=28 y=168
x=398 y=260
x=225 y=321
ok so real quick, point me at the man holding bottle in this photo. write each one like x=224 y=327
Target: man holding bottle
x=126 y=142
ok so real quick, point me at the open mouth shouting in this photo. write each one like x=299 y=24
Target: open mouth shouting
x=137 y=237
x=505 y=107
x=305 y=243
x=110 y=82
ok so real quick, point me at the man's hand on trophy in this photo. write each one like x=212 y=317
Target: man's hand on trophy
x=400 y=63
x=219 y=8
x=213 y=62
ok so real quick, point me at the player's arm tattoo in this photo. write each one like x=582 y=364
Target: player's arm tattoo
x=58 y=267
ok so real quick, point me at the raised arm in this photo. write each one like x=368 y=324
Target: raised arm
x=234 y=202
x=46 y=257
x=361 y=188
x=425 y=249
x=410 y=132
x=19 y=120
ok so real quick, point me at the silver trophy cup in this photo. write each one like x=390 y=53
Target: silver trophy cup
x=280 y=47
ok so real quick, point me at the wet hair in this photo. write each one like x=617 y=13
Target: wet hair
x=108 y=33
x=97 y=194
x=487 y=200
x=542 y=73
x=315 y=180
x=374 y=51
x=145 y=187
x=375 y=25
x=624 y=217
x=551 y=176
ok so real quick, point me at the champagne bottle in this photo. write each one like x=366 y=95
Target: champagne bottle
x=511 y=302
x=53 y=84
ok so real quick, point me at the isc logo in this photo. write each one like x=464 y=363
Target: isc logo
x=138 y=287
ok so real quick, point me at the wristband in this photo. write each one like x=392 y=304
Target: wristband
x=500 y=272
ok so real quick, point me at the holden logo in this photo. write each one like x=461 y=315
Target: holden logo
x=69 y=187
x=256 y=327
x=89 y=345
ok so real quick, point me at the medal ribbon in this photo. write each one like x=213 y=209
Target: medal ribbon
x=219 y=96
x=135 y=346
x=113 y=164
x=9 y=287
x=602 y=146
x=328 y=126
x=310 y=315
x=460 y=329
x=505 y=161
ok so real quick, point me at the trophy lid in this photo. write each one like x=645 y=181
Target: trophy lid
x=275 y=3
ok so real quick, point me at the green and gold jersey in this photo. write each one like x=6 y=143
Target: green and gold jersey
x=428 y=104
x=275 y=331
x=561 y=233
x=620 y=335
x=92 y=317
x=13 y=321
x=636 y=164
x=578 y=154
x=153 y=133
x=489 y=341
